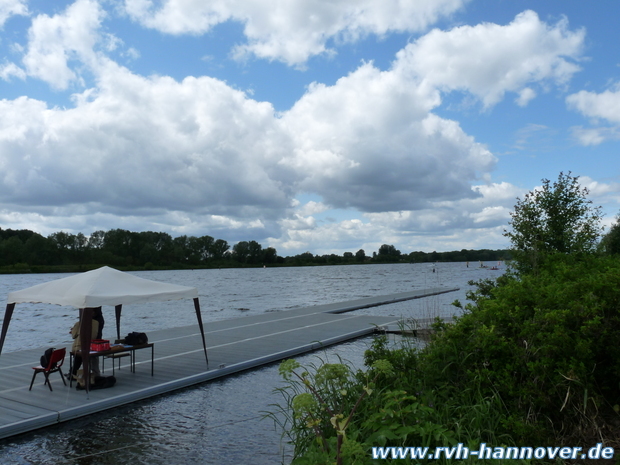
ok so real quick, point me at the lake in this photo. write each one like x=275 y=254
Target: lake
x=219 y=422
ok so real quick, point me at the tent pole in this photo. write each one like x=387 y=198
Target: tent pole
x=117 y=311
x=5 y=325
x=202 y=331
x=86 y=330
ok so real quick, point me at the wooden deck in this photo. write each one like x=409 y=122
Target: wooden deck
x=233 y=345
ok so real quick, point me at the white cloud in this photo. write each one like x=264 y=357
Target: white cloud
x=54 y=42
x=489 y=60
x=10 y=8
x=291 y=31
x=146 y=145
x=298 y=223
x=11 y=70
x=598 y=188
x=525 y=95
x=352 y=235
x=491 y=215
x=533 y=137
x=198 y=155
x=603 y=106
x=595 y=136
x=369 y=142
x=445 y=225
x=179 y=16
x=342 y=236
x=607 y=196
x=131 y=54
x=312 y=208
x=488 y=209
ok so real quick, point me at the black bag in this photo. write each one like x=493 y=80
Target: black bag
x=136 y=339
x=45 y=358
x=100 y=382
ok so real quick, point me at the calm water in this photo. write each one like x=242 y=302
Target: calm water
x=218 y=422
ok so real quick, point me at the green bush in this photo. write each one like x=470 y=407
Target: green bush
x=534 y=360
x=547 y=344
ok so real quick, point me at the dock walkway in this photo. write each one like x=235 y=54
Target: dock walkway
x=233 y=345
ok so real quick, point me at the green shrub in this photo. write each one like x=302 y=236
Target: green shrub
x=534 y=360
x=546 y=343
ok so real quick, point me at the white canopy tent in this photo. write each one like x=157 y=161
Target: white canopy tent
x=96 y=288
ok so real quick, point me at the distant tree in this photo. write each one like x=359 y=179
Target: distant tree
x=95 y=240
x=418 y=257
x=195 y=250
x=611 y=241
x=220 y=248
x=66 y=245
x=270 y=255
x=241 y=251
x=164 y=246
x=122 y=244
x=22 y=234
x=149 y=254
x=360 y=255
x=64 y=241
x=40 y=250
x=255 y=252
x=303 y=258
x=554 y=219
x=333 y=259
x=147 y=243
x=207 y=247
x=180 y=247
x=11 y=251
x=388 y=253
x=79 y=249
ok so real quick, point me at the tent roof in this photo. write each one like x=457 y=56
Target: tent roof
x=103 y=286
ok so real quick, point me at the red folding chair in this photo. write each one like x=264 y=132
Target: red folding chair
x=56 y=361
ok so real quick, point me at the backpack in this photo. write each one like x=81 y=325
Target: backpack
x=136 y=339
x=45 y=358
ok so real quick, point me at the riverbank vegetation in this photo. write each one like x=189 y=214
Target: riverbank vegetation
x=533 y=360
x=23 y=251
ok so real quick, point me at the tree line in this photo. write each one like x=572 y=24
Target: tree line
x=23 y=250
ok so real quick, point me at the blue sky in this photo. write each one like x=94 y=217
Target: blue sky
x=306 y=126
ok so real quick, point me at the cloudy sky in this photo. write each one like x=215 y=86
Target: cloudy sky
x=306 y=125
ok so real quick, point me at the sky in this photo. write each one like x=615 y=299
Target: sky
x=325 y=126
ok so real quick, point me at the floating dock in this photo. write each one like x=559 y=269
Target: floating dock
x=233 y=345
